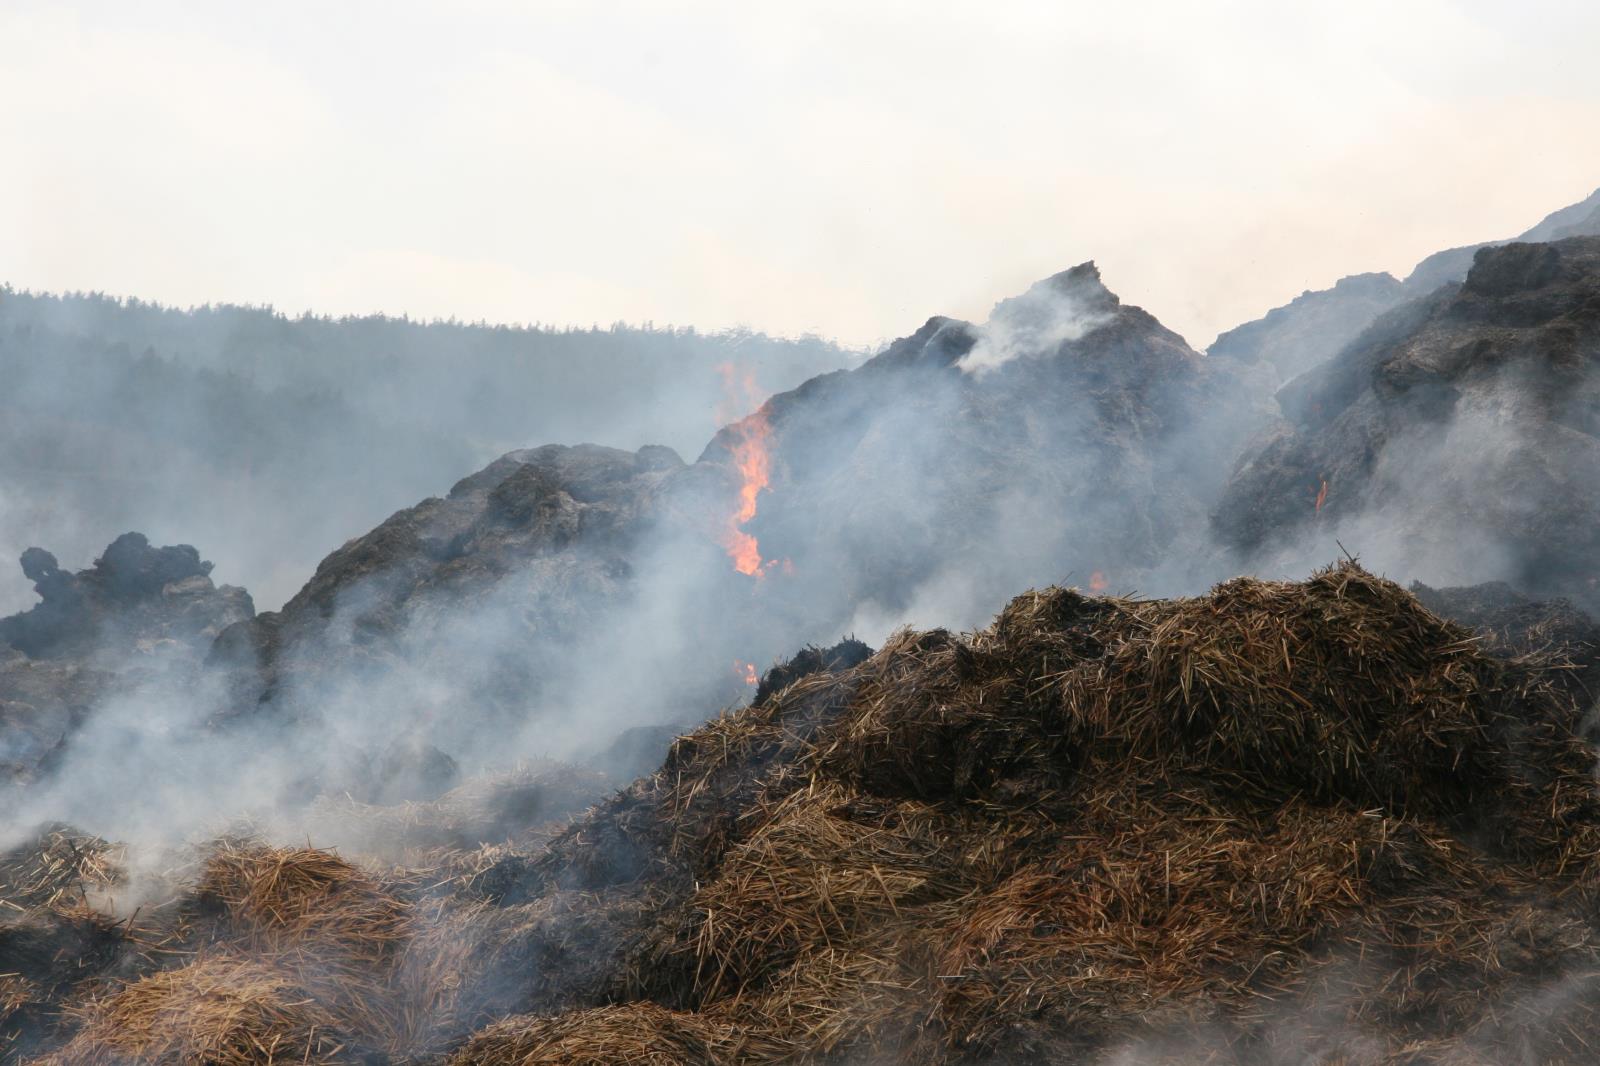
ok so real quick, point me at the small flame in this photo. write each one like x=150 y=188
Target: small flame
x=1098 y=583
x=746 y=672
x=748 y=448
x=1322 y=495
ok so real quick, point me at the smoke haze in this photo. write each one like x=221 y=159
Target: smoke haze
x=564 y=633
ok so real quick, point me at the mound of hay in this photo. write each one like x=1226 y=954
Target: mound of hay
x=1305 y=822
x=288 y=938
x=54 y=944
x=222 y=1010
x=1283 y=815
x=321 y=920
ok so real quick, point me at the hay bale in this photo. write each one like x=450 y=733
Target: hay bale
x=319 y=919
x=222 y=1010
x=1342 y=687
x=818 y=871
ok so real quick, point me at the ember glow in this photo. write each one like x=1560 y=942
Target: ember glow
x=1098 y=582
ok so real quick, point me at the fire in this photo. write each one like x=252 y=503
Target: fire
x=747 y=672
x=1098 y=583
x=1322 y=495
x=748 y=448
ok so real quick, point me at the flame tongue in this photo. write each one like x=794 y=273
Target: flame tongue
x=1322 y=496
x=748 y=448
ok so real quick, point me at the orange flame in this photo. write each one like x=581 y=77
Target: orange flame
x=1322 y=495
x=1098 y=583
x=747 y=672
x=748 y=448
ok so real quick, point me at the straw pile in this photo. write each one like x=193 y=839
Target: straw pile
x=1280 y=816
x=393 y=960
x=56 y=867
x=55 y=945
x=1304 y=822
x=288 y=900
x=640 y=1033
x=223 y=1010
x=286 y=954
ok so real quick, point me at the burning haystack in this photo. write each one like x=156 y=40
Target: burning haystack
x=1306 y=822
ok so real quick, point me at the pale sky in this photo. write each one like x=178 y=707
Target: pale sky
x=847 y=168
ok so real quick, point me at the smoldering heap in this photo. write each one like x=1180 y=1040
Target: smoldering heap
x=1071 y=432
x=138 y=609
x=1071 y=427
x=1282 y=821
x=1457 y=437
x=553 y=529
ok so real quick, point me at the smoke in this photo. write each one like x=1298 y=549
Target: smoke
x=267 y=440
x=962 y=466
x=1033 y=325
x=562 y=598
x=1070 y=439
x=1481 y=477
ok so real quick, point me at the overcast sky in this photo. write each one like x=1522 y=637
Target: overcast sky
x=847 y=168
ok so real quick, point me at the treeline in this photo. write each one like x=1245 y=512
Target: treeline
x=267 y=440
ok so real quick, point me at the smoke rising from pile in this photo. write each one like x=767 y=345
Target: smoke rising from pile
x=965 y=464
x=268 y=440
x=925 y=492
x=1033 y=325
x=1069 y=439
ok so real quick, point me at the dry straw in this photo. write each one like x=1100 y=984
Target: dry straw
x=1283 y=821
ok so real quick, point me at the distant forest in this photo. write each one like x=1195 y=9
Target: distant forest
x=266 y=441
